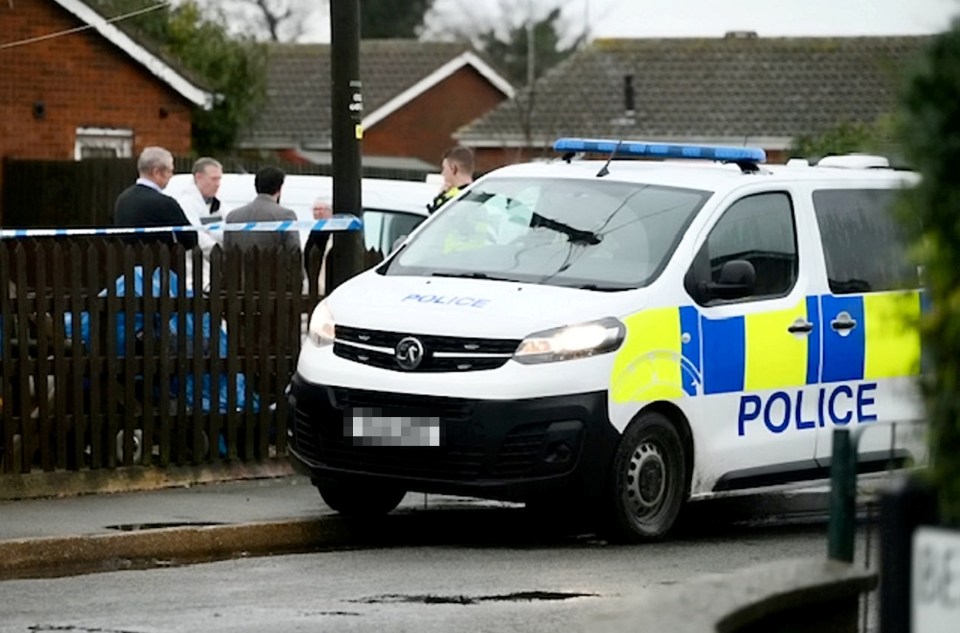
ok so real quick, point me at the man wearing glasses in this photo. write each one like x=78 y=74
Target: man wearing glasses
x=144 y=204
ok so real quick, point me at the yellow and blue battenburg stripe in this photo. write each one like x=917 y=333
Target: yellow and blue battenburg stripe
x=660 y=356
x=755 y=352
x=676 y=352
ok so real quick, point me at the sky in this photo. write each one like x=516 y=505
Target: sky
x=769 y=18
x=704 y=18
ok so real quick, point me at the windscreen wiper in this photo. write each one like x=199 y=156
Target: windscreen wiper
x=574 y=236
x=599 y=288
x=471 y=275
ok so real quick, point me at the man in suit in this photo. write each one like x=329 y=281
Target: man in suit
x=265 y=208
x=145 y=204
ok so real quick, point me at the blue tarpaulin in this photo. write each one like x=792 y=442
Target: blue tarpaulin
x=173 y=325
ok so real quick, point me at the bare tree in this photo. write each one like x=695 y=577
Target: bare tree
x=292 y=20
x=523 y=40
x=271 y=20
x=475 y=21
x=276 y=13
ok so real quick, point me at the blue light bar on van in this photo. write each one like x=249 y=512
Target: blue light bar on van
x=644 y=149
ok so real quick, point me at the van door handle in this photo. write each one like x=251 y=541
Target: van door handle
x=800 y=326
x=843 y=323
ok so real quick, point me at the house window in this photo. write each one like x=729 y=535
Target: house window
x=96 y=142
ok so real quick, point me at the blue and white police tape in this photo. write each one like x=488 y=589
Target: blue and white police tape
x=338 y=223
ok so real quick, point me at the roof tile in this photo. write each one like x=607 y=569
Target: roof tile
x=297 y=109
x=710 y=88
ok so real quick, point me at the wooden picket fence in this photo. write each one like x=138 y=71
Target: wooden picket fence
x=108 y=357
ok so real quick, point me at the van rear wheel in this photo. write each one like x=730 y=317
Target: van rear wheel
x=648 y=480
x=358 y=498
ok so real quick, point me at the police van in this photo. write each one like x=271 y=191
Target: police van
x=630 y=333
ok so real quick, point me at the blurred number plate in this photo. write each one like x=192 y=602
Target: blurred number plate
x=935 y=604
x=374 y=427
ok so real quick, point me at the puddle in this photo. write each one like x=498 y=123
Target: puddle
x=521 y=596
x=136 y=527
x=50 y=628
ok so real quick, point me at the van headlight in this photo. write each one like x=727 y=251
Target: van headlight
x=321 y=330
x=571 y=341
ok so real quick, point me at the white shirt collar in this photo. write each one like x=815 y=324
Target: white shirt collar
x=149 y=183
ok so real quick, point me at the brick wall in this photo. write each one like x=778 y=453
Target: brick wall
x=424 y=127
x=82 y=80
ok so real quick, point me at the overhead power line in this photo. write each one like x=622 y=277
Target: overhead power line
x=86 y=27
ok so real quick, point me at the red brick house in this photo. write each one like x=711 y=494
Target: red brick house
x=415 y=96
x=72 y=85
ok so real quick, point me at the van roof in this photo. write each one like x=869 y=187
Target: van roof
x=705 y=175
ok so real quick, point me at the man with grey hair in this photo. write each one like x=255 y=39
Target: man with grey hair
x=144 y=204
x=199 y=199
x=318 y=243
x=322 y=210
x=199 y=202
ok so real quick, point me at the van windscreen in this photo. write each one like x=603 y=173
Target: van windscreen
x=594 y=234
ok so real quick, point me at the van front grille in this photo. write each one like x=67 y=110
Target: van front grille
x=440 y=353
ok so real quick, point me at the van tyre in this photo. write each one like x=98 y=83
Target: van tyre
x=648 y=480
x=359 y=499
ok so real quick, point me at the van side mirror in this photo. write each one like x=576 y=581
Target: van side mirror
x=737 y=279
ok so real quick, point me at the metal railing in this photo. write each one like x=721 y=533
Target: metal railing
x=884 y=607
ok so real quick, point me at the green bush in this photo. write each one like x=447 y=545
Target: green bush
x=930 y=133
x=846 y=138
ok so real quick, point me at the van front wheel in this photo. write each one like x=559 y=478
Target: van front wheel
x=648 y=480
x=359 y=498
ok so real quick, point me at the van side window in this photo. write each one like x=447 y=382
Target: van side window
x=863 y=243
x=382 y=229
x=758 y=229
x=395 y=226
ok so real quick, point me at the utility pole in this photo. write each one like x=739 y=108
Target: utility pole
x=347 y=256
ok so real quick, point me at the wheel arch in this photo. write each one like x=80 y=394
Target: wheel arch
x=680 y=422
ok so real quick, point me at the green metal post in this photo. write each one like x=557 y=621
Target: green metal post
x=843 y=496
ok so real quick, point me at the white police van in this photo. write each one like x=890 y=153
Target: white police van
x=632 y=333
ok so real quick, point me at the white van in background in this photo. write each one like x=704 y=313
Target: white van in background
x=391 y=208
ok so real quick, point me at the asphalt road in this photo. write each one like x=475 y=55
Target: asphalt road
x=476 y=570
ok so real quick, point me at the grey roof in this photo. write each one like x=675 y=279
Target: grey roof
x=296 y=112
x=729 y=89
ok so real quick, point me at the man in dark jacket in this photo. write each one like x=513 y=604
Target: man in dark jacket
x=145 y=204
x=264 y=208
